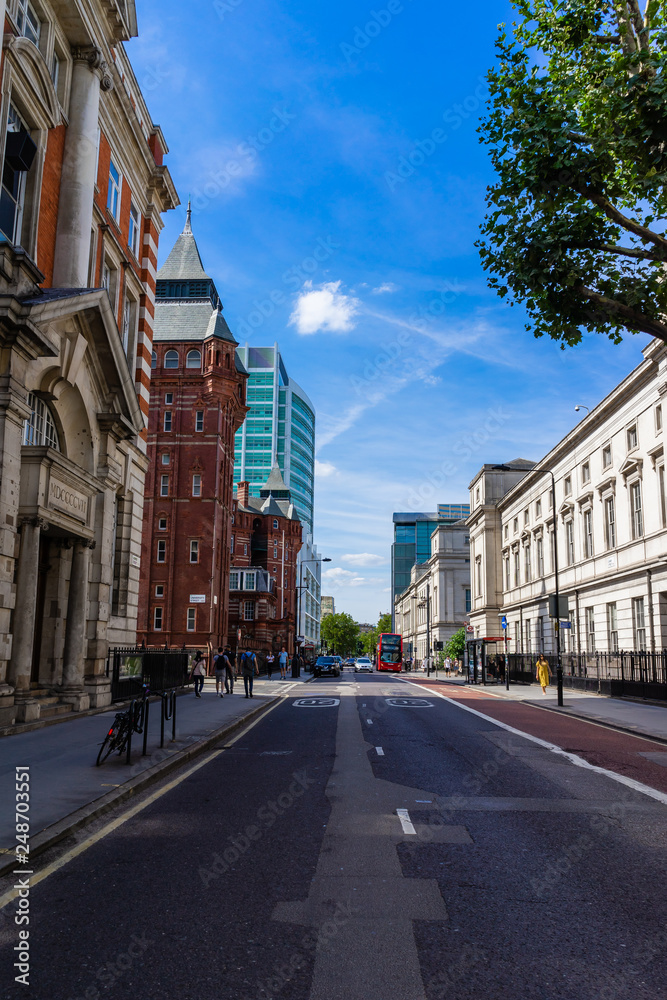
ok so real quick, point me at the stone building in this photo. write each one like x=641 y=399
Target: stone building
x=83 y=190
x=610 y=522
x=266 y=540
x=197 y=404
x=447 y=574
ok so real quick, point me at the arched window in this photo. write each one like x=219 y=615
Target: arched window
x=153 y=360
x=226 y=360
x=40 y=430
x=193 y=359
x=275 y=524
x=171 y=359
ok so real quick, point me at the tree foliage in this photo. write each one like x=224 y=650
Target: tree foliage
x=455 y=647
x=577 y=127
x=384 y=623
x=340 y=633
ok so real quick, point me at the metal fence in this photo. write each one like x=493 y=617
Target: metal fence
x=634 y=673
x=130 y=667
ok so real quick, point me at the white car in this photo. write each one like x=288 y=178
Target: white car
x=361 y=664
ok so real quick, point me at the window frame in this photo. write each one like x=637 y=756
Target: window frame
x=134 y=230
x=610 y=523
x=114 y=191
x=167 y=422
x=164 y=484
x=639 y=623
x=191 y=354
x=161 y=554
x=199 y=421
x=587 y=516
x=632 y=438
x=194 y=550
x=196 y=484
x=249 y=611
x=191 y=620
x=160 y=526
x=612 y=626
x=158 y=619
x=168 y=359
x=590 y=629
x=636 y=510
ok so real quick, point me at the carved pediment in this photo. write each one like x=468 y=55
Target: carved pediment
x=33 y=82
x=630 y=466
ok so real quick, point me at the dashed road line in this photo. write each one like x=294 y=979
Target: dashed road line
x=379 y=751
x=406 y=822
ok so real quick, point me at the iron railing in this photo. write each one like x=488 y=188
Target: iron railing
x=132 y=667
x=626 y=673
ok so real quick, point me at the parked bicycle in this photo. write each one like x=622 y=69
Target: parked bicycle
x=122 y=727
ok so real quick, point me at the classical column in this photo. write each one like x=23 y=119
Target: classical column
x=75 y=209
x=75 y=636
x=24 y=618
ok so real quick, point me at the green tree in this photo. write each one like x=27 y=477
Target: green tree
x=576 y=128
x=369 y=641
x=455 y=647
x=384 y=623
x=340 y=633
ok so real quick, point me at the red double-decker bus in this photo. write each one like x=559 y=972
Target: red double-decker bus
x=390 y=652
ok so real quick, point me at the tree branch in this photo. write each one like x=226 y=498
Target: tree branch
x=617 y=310
x=641 y=29
x=632 y=227
x=607 y=39
x=629 y=252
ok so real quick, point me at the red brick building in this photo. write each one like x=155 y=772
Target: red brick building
x=83 y=187
x=266 y=539
x=197 y=403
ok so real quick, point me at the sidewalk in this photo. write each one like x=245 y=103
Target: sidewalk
x=63 y=775
x=623 y=713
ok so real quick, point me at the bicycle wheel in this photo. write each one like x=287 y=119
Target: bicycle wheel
x=108 y=745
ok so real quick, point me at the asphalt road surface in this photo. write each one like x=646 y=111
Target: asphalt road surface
x=364 y=840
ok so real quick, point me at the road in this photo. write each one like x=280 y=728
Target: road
x=366 y=839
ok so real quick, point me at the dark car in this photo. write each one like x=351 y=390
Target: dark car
x=326 y=666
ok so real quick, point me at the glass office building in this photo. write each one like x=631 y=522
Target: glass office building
x=279 y=427
x=412 y=540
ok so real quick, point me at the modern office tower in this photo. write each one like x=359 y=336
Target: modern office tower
x=412 y=540
x=280 y=427
x=328 y=606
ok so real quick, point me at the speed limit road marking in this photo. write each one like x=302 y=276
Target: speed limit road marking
x=409 y=703
x=316 y=702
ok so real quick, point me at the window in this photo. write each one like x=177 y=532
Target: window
x=538 y=508
x=233 y=580
x=552 y=549
x=590 y=630
x=586 y=472
x=193 y=359
x=194 y=551
x=39 y=429
x=567 y=486
x=526 y=517
x=162 y=524
x=167 y=420
x=529 y=636
x=249 y=581
x=168 y=398
x=248 y=611
x=527 y=566
x=606 y=456
x=196 y=485
x=159 y=590
x=165 y=458
x=517 y=568
x=658 y=418
x=612 y=627
x=468 y=601
x=515 y=525
x=661 y=494
x=27 y=21
x=164 y=486
x=540 y=634
x=507 y=531
x=135 y=229
x=55 y=72
x=507 y=573
x=157 y=619
x=275 y=550
x=477 y=495
x=569 y=541
x=171 y=359
x=127 y=323
x=610 y=522
x=517 y=637
x=231 y=545
x=639 y=622
x=153 y=359
x=113 y=191
x=275 y=524
x=192 y=619
x=636 y=510
x=161 y=551
x=588 y=533
x=539 y=545
x=632 y=437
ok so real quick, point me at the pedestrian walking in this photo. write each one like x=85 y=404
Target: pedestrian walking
x=296 y=664
x=220 y=672
x=543 y=672
x=248 y=668
x=282 y=663
x=448 y=666
x=198 y=673
x=270 y=659
x=227 y=659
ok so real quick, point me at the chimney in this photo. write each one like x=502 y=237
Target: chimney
x=243 y=493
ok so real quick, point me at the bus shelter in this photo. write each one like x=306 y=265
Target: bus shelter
x=486 y=660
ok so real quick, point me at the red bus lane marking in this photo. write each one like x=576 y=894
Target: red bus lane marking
x=600 y=746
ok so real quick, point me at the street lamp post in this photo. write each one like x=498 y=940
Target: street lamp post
x=427 y=605
x=559 y=665
x=303 y=586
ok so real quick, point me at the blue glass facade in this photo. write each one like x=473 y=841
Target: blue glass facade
x=412 y=540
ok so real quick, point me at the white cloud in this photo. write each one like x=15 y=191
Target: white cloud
x=343 y=577
x=324 y=308
x=324 y=469
x=386 y=286
x=363 y=559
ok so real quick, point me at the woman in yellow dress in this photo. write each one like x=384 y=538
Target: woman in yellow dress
x=543 y=672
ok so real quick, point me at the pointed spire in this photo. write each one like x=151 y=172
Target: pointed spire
x=188 y=218
x=184 y=261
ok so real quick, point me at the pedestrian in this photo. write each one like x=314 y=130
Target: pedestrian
x=269 y=665
x=296 y=663
x=248 y=668
x=282 y=662
x=543 y=672
x=448 y=666
x=229 y=670
x=198 y=673
x=220 y=672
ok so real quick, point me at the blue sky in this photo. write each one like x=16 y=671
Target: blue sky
x=338 y=184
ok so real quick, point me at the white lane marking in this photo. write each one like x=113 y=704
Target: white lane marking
x=369 y=721
x=622 y=779
x=424 y=800
x=406 y=822
x=379 y=751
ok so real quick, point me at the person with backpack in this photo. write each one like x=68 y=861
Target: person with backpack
x=248 y=668
x=198 y=673
x=220 y=672
x=229 y=670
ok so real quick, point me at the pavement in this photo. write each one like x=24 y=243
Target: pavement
x=67 y=788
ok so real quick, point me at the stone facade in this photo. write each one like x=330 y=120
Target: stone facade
x=447 y=574
x=611 y=528
x=83 y=190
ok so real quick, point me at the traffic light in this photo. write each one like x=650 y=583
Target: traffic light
x=438 y=646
